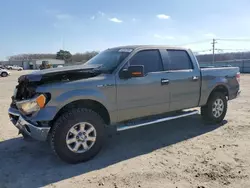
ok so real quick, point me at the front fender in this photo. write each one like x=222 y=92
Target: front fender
x=80 y=94
x=53 y=107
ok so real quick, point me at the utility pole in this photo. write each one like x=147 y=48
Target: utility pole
x=213 y=43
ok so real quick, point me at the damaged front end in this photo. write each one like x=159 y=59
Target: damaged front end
x=27 y=84
x=27 y=102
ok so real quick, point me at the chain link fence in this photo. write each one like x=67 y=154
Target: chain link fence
x=243 y=64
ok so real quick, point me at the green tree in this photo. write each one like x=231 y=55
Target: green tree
x=64 y=55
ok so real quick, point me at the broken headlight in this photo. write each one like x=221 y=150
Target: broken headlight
x=32 y=105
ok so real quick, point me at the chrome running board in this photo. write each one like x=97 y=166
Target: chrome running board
x=184 y=114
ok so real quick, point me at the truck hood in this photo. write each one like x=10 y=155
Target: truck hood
x=60 y=74
x=28 y=83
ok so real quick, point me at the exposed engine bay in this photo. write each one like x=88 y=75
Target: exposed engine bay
x=27 y=84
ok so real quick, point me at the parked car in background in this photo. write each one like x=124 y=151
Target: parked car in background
x=14 y=67
x=4 y=72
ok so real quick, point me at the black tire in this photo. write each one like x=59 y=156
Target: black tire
x=207 y=110
x=4 y=74
x=64 y=123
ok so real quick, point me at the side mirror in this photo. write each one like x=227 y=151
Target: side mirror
x=132 y=71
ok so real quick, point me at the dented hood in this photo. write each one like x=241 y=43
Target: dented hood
x=60 y=74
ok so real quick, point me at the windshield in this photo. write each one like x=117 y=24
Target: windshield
x=109 y=59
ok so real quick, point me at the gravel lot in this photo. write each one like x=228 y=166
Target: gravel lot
x=180 y=153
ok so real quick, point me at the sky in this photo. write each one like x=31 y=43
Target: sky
x=31 y=26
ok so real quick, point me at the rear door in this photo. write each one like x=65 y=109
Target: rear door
x=143 y=96
x=184 y=80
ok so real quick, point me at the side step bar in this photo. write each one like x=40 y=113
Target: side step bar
x=185 y=114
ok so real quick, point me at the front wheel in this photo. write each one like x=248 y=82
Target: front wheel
x=215 y=109
x=4 y=74
x=77 y=135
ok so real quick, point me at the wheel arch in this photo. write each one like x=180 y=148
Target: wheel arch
x=221 y=89
x=89 y=104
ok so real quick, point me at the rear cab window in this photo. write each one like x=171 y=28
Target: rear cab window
x=179 y=60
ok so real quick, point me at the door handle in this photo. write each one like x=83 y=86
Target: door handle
x=195 y=78
x=164 y=81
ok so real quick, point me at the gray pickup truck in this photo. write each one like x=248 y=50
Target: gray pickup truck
x=123 y=87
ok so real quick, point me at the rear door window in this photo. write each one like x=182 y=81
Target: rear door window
x=179 y=60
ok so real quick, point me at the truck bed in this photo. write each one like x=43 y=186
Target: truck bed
x=212 y=76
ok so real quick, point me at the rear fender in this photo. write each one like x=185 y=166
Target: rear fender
x=219 y=84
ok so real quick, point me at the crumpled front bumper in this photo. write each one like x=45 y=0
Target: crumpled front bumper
x=28 y=127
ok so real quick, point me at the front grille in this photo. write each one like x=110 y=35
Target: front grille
x=25 y=91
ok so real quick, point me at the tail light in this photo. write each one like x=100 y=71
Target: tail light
x=238 y=77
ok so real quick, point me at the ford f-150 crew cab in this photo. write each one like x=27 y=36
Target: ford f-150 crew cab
x=123 y=87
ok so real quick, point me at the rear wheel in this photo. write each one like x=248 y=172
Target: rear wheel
x=215 y=109
x=78 y=135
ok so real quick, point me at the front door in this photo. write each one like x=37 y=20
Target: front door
x=143 y=96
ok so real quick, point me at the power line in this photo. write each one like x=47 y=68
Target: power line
x=222 y=49
x=217 y=39
x=235 y=39
x=204 y=50
x=196 y=42
x=244 y=50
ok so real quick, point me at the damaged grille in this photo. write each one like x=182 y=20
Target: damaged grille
x=27 y=84
x=25 y=90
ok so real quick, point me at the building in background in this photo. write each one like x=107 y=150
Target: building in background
x=34 y=64
x=18 y=63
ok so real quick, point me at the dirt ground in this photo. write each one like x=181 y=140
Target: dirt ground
x=181 y=153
